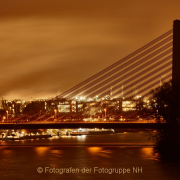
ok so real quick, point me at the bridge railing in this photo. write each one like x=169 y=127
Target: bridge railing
x=84 y=122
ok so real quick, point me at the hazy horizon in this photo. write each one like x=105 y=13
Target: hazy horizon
x=48 y=46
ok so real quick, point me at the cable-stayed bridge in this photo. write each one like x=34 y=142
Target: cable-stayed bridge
x=134 y=75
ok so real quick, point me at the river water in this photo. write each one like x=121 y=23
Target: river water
x=112 y=156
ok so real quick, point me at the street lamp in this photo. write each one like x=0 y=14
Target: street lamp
x=55 y=111
x=4 y=118
x=105 y=113
x=7 y=114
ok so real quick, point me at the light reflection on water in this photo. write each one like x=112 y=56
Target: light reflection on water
x=41 y=151
x=99 y=151
x=147 y=152
x=107 y=151
x=94 y=150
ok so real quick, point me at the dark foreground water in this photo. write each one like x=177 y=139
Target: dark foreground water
x=118 y=156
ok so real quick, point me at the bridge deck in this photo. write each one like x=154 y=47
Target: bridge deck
x=139 y=126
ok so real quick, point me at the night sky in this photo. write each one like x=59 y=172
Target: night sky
x=48 y=46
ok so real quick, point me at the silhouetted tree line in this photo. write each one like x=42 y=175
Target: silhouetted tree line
x=166 y=102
